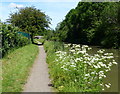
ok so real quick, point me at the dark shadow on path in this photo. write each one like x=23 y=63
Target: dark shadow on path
x=39 y=44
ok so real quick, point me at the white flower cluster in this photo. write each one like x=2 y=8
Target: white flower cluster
x=84 y=68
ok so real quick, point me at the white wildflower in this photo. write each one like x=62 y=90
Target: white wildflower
x=103 y=89
x=110 y=64
x=89 y=48
x=85 y=46
x=101 y=51
x=72 y=65
x=72 y=50
x=92 y=72
x=77 y=46
x=114 y=62
x=87 y=74
x=107 y=85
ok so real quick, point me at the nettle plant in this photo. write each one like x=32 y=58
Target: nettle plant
x=82 y=71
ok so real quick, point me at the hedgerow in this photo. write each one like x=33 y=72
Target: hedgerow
x=11 y=39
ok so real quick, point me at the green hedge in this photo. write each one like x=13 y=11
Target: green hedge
x=10 y=38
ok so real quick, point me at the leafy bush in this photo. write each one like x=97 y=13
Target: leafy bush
x=10 y=38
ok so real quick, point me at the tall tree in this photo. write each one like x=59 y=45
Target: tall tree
x=31 y=20
x=95 y=23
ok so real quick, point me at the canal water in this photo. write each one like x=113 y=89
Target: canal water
x=113 y=75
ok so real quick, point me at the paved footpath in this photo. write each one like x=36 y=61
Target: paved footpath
x=39 y=78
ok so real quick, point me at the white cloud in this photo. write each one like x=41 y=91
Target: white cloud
x=15 y=5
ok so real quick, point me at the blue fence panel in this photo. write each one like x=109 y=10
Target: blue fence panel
x=24 y=34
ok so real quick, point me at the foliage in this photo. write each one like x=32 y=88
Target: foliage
x=30 y=20
x=110 y=22
x=16 y=66
x=11 y=39
x=40 y=40
x=94 y=23
x=74 y=70
x=52 y=46
x=48 y=34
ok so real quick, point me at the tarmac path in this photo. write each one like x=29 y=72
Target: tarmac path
x=39 y=78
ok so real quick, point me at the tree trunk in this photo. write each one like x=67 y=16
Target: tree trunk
x=32 y=38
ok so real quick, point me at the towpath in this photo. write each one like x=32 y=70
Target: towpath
x=39 y=78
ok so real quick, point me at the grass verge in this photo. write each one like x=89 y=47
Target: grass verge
x=16 y=67
x=40 y=40
x=50 y=48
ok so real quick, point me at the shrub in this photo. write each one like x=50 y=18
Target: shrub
x=10 y=38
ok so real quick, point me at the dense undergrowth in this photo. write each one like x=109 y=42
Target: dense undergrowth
x=16 y=67
x=72 y=69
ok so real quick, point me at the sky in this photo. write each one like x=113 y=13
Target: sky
x=55 y=9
